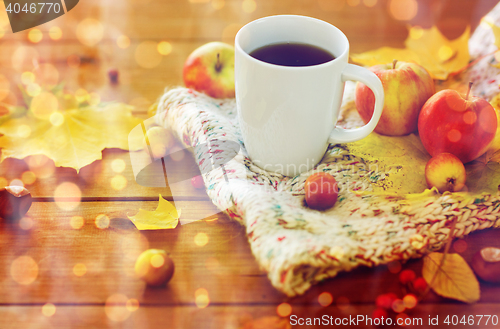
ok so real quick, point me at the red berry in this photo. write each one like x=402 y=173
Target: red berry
x=385 y=300
x=406 y=276
x=419 y=285
x=197 y=182
x=321 y=191
x=379 y=313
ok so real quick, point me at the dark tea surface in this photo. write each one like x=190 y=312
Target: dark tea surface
x=292 y=54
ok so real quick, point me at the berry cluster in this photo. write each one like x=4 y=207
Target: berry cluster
x=390 y=305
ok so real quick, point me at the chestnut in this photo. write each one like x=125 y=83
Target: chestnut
x=15 y=201
x=486 y=264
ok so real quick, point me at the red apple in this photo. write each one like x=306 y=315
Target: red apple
x=457 y=124
x=210 y=69
x=406 y=88
x=445 y=172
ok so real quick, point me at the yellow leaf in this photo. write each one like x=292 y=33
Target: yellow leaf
x=403 y=159
x=165 y=216
x=72 y=138
x=428 y=48
x=454 y=279
x=487 y=21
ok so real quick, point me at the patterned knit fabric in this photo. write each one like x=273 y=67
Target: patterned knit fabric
x=298 y=246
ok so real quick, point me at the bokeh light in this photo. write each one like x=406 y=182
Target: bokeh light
x=394 y=267
x=46 y=75
x=147 y=55
x=4 y=87
x=27 y=78
x=48 y=310
x=460 y=246
x=325 y=299
x=201 y=298
x=81 y=95
x=33 y=89
x=23 y=131
x=201 y=239
x=370 y=3
x=56 y=119
x=284 y=310
x=55 y=33
x=416 y=32
x=398 y=305
x=123 y=41
x=118 y=165
x=28 y=177
x=116 y=308
x=248 y=6
x=157 y=260
x=102 y=221
x=35 y=35
x=403 y=10
x=24 y=270
x=410 y=301
x=118 y=182
x=470 y=117
x=89 y=32
x=26 y=223
x=132 y=305
x=94 y=99
x=41 y=165
x=76 y=222
x=79 y=269
x=164 y=48
x=177 y=154
x=67 y=196
x=218 y=4
x=445 y=53
x=454 y=135
x=329 y=5
x=16 y=182
x=43 y=105
x=24 y=58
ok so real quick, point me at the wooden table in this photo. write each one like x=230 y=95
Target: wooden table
x=76 y=273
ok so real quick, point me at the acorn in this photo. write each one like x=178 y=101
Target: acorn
x=15 y=201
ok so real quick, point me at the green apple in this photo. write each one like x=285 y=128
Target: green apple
x=210 y=69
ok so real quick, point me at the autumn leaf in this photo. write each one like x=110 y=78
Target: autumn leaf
x=427 y=47
x=166 y=216
x=454 y=279
x=402 y=158
x=72 y=138
x=488 y=21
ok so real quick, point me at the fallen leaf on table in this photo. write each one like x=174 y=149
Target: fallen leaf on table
x=454 y=279
x=484 y=173
x=402 y=158
x=166 y=216
x=72 y=138
x=427 y=47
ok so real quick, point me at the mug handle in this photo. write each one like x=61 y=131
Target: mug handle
x=358 y=73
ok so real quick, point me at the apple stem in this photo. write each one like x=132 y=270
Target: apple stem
x=218 y=66
x=394 y=64
x=468 y=91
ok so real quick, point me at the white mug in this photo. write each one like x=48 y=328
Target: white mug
x=288 y=114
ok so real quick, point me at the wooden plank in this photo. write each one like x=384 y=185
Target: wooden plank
x=236 y=316
x=224 y=267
